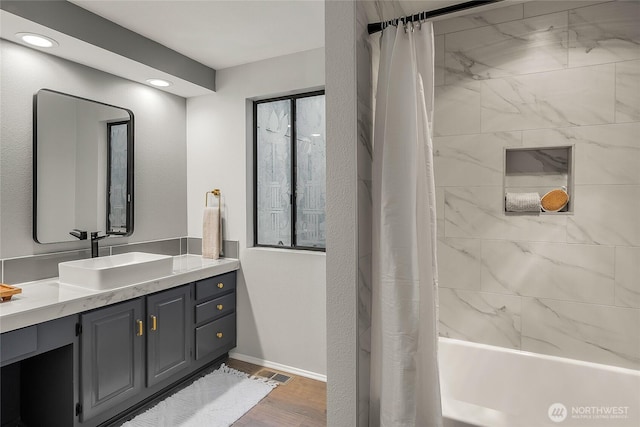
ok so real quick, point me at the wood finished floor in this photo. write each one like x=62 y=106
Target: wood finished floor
x=302 y=402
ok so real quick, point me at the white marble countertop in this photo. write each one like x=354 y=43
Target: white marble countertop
x=48 y=299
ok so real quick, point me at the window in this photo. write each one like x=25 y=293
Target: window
x=118 y=191
x=289 y=153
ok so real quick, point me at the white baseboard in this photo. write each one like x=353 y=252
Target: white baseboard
x=278 y=366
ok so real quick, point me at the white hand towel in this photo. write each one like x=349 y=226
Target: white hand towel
x=211 y=233
x=522 y=202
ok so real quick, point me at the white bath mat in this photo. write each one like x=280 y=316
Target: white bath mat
x=215 y=400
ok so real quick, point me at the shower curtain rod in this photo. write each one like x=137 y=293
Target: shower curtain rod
x=378 y=26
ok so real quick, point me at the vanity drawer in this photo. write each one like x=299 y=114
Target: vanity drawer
x=19 y=343
x=214 y=286
x=216 y=338
x=215 y=308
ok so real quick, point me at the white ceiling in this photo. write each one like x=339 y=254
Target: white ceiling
x=220 y=34
x=79 y=51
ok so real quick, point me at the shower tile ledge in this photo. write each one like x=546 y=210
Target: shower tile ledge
x=48 y=299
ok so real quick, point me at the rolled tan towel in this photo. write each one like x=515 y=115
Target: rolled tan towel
x=211 y=233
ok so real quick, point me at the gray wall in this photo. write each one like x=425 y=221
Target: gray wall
x=160 y=147
x=342 y=245
x=544 y=73
x=220 y=155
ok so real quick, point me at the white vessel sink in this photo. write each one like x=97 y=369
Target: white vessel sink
x=115 y=271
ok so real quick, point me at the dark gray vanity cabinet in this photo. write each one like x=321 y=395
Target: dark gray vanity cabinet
x=111 y=356
x=114 y=362
x=94 y=368
x=215 y=316
x=168 y=333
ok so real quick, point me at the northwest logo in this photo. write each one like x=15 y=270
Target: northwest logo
x=557 y=412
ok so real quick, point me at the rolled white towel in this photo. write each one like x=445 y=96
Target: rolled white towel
x=211 y=233
x=522 y=202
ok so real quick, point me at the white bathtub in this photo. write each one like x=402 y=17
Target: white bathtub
x=488 y=386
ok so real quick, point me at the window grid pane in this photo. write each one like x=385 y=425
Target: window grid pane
x=273 y=170
x=310 y=171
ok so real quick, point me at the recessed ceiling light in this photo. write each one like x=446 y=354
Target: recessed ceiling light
x=37 y=40
x=159 y=82
x=315 y=134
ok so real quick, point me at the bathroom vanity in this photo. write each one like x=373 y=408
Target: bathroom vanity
x=72 y=356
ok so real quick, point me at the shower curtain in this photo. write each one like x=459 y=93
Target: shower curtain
x=405 y=389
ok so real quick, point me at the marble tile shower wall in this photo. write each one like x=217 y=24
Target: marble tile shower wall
x=541 y=74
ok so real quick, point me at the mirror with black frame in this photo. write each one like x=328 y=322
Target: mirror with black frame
x=82 y=168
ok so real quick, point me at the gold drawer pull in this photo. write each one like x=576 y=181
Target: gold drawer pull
x=220 y=285
x=220 y=307
x=140 y=327
x=154 y=323
x=219 y=334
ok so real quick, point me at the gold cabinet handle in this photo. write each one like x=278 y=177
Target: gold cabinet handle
x=220 y=285
x=219 y=307
x=140 y=325
x=219 y=334
x=154 y=323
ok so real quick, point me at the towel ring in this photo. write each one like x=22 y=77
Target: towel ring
x=216 y=192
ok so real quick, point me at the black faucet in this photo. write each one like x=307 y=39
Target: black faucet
x=94 y=243
x=79 y=234
x=82 y=235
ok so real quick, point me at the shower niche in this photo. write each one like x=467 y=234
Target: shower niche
x=540 y=170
